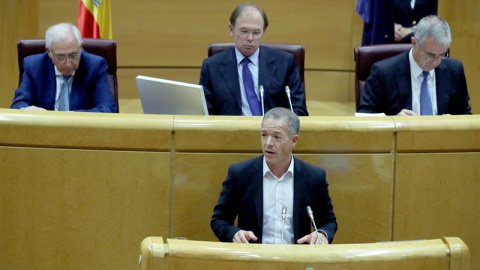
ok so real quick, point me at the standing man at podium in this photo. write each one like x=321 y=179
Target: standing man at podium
x=270 y=194
x=233 y=79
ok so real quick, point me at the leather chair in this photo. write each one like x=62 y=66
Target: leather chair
x=298 y=52
x=366 y=56
x=102 y=47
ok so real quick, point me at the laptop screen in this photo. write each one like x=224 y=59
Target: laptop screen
x=159 y=96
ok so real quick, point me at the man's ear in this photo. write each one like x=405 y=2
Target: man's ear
x=230 y=27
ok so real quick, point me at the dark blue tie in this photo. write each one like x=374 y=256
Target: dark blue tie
x=250 y=89
x=64 y=97
x=425 y=101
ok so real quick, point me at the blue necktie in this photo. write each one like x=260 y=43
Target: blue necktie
x=250 y=89
x=425 y=101
x=64 y=97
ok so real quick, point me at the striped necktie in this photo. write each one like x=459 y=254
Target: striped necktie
x=64 y=97
x=425 y=100
x=250 y=89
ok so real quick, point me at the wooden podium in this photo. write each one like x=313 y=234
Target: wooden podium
x=445 y=253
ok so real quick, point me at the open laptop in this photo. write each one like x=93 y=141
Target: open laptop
x=161 y=96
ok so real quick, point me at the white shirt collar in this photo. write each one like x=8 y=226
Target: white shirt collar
x=58 y=73
x=266 y=169
x=253 y=57
x=415 y=69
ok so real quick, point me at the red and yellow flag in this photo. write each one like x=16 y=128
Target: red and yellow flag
x=94 y=19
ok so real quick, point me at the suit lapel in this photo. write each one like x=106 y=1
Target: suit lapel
x=267 y=69
x=257 y=185
x=404 y=82
x=442 y=80
x=76 y=91
x=229 y=72
x=298 y=188
x=51 y=87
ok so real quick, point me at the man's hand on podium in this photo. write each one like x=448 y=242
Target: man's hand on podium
x=244 y=236
x=312 y=239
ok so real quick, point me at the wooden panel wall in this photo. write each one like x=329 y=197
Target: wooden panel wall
x=18 y=19
x=169 y=38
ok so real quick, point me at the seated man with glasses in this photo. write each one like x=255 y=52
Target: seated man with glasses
x=238 y=81
x=64 y=78
x=421 y=81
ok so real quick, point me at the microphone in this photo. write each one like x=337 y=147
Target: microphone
x=284 y=215
x=287 y=90
x=310 y=214
x=261 y=98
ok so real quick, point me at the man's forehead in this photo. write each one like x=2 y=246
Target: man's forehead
x=274 y=124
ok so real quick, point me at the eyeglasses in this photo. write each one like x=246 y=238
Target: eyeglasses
x=62 y=58
x=245 y=32
x=430 y=56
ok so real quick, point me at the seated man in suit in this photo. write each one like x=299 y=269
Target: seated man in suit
x=64 y=78
x=232 y=79
x=421 y=81
x=270 y=193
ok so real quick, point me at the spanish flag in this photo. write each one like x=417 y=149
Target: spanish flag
x=94 y=19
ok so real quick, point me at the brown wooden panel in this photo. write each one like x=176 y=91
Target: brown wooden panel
x=80 y=209
x=454 y=133
x=345 y=134
x=16 y=21
x=198 y=182
x=85 y=130
x=438 y=194
x=317 y=134
x=464 y=17
x=361 y=188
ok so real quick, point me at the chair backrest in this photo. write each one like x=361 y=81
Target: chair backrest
x=366 y=56
x=105 y=48
x=298 y=52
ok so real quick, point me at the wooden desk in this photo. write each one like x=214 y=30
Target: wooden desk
x=445 y=253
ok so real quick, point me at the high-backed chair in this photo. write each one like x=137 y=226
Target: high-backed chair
x=298 y=52
x=366 y=56
x=105 y=48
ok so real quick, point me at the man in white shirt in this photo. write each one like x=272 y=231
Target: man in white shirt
x=270 y=193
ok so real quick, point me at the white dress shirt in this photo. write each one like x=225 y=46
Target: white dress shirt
x=417 y=78
x=277 y=194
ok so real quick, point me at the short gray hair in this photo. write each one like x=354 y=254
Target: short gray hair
x=60 y=32
x=288 y=116
x=433 y=27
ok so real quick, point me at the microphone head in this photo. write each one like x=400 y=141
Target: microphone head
x=310 y=212
x=287 y=90
x=261 y=89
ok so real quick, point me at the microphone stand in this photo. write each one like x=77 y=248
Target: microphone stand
x=284 y=215
x=310 y=214
x=261 y=98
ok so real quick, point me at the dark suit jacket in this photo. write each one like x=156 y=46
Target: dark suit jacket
x=408 y=17
x=388 y=89
x=242 y=196
x=277 y=69
x=90 y=89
